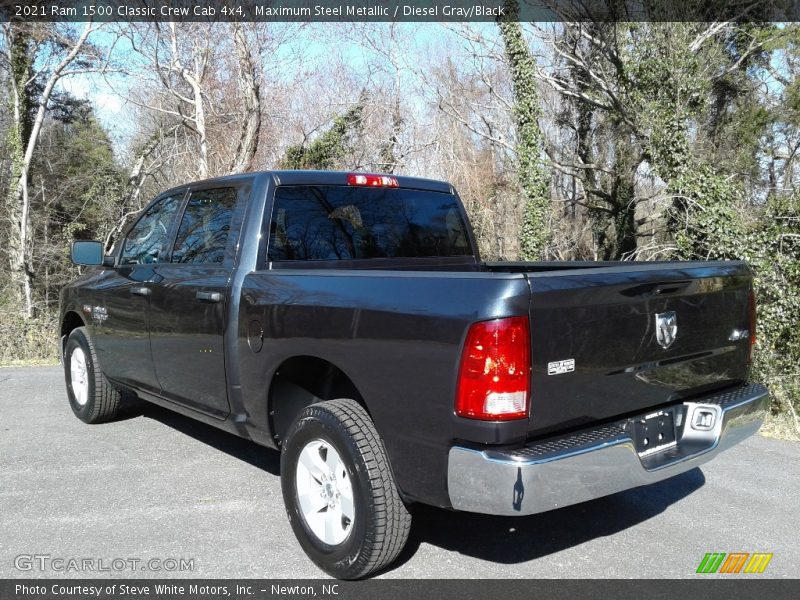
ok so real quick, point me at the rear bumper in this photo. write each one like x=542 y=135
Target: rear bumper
x=597 y=462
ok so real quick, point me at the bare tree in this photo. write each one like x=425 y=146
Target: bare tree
x=66 y=51
x=172 y=67
x=251 y=92
x=193 y=73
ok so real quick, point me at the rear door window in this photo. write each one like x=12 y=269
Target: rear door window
x=346 y=223
x=205 y=226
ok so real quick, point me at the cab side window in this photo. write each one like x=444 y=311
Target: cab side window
x=206 y=223
x=145 y=241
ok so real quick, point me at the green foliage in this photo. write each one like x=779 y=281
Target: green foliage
x=709 y=222
x=533 y=179
x=76 y=187
x=773 y=250
x=705 y=218
x=22 y=57
x=705 y=137
x=329 y=150
x=86 y=177
x=21 y=62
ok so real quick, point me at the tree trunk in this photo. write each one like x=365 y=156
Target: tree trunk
x=19 y=243
x=251 y=123
x=18 y=201
x=535 y=237
x=200 y=126
x=390 y=151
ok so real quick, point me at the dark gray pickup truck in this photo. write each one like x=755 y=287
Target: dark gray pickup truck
x=347 y=320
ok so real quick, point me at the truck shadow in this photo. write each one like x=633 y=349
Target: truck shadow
x=243 y=449
x=511 y=540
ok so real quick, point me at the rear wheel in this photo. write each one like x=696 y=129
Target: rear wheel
x=91 y=396
x=339 y=491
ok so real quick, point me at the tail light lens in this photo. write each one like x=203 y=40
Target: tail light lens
x=494 y=374
x=752 y=323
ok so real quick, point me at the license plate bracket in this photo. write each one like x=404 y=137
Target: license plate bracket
x=654 y=432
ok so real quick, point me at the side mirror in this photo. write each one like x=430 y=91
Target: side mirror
x=87 y=253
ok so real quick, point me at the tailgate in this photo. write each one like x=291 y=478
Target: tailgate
x=619 y=340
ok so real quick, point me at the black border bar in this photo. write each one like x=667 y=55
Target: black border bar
x=399 y=10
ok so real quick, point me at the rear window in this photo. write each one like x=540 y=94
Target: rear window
x=346 y=223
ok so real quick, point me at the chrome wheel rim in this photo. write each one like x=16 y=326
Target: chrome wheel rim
x=78 y=376
x=324 y=492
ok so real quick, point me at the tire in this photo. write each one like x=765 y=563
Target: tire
x=370 y=527
x=91 y=397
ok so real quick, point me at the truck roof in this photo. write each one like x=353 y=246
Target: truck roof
x=310 y=177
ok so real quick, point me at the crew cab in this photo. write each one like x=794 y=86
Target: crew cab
x=348 y=321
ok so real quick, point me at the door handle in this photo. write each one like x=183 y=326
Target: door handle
x=140 y=291
x=208 y=296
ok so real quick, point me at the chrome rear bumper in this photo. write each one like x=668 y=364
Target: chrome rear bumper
x=597 y=462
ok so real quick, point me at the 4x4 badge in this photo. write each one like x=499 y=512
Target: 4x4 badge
x=666 y=328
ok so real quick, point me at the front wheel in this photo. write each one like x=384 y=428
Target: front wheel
x=91 y=396
x=339 y=491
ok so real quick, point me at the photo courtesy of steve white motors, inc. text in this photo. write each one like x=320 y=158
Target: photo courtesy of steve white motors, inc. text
x=178 y=590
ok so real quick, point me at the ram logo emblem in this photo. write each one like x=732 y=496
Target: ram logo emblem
x=666 y=328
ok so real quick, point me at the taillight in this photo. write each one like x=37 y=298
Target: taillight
x=494 y=375
x=372 y=180
x=752 y=323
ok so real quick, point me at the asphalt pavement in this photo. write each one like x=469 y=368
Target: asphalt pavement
x=156 y=494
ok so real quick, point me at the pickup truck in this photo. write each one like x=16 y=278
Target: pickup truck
x=348 y=321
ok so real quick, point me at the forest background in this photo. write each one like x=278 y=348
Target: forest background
x=566 y=141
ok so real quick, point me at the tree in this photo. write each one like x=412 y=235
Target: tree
x=382 y=43
x=76 y=187
x=534 y=238
x=22 y=51
x=329 y=149
x=172 y=69
x=250 y=89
